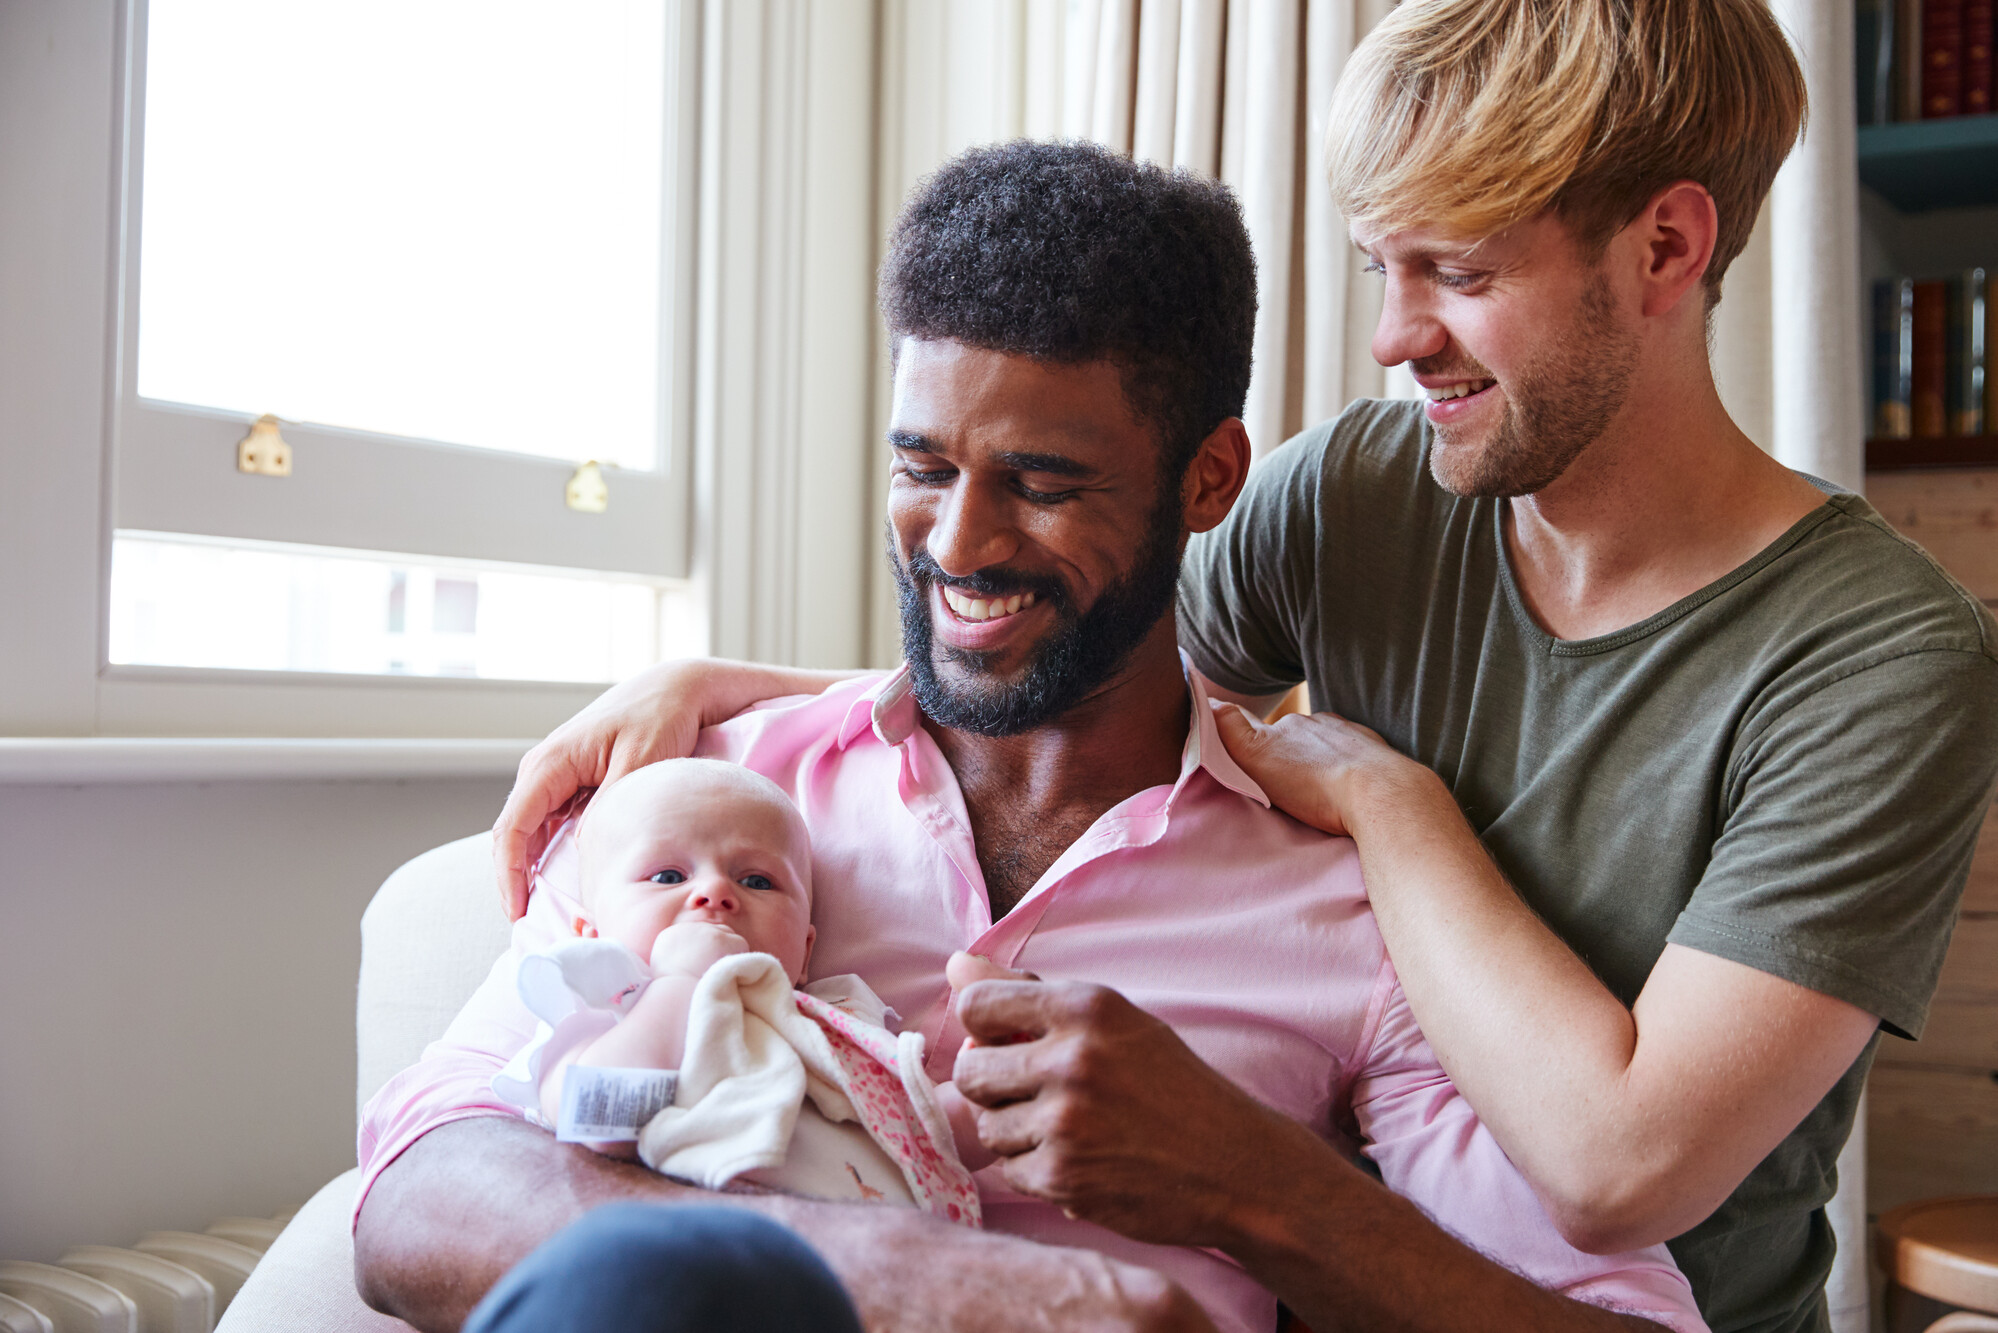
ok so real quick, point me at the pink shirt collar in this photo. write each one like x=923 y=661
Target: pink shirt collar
x=888 y=709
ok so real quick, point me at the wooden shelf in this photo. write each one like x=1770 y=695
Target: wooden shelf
x=1947 y=451
x=1924 y=164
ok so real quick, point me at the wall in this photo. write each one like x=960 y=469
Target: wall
x=1934 y=1102
x=177 y=967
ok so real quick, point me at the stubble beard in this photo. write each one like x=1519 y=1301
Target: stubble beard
x=1083 y=651
x=1554 y=409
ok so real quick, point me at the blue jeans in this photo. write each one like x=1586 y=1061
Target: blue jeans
x=649 y=1268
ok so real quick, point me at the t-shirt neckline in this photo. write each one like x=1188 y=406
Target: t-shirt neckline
x=1657 y=620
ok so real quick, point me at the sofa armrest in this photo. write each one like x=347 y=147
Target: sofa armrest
x=306 y=1279
x=428 y=939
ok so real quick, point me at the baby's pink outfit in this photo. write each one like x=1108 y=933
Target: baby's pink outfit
x=774 y=1082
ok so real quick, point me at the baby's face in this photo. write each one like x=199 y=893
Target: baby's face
x=679 y=865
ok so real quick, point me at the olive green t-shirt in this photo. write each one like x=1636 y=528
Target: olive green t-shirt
x=1787 y=768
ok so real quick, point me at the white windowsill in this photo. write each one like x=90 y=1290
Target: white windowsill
x=68 y=761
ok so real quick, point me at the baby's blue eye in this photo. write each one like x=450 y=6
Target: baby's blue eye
x=669 y=877
x=756 y=882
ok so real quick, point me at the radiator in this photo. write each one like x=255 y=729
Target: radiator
x=169 y=1282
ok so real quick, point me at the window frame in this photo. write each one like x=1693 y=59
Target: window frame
x=785 y=558
x=173 y=465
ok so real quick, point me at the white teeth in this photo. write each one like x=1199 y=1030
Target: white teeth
x=1462 y=389
x=980 y=608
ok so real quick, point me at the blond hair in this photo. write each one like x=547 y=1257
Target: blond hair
x=1472 y=115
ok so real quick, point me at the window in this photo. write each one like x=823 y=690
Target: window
x=445 y=244
x=191 y=602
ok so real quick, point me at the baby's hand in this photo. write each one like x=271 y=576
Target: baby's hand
x=966 y=969
x=690 y=948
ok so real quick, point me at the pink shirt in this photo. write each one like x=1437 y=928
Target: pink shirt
x=1246 y=931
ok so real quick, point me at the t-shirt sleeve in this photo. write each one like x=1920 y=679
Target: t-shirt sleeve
x=1246 y=590
x=1851 y=815
x=1434 y=1151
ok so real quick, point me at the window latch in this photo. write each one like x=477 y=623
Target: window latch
x=264 y=450
x=587 y=492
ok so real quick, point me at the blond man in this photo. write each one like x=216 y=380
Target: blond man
x=1673 y=759
x=1664 y=762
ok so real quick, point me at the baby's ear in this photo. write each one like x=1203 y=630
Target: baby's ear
x=811 y=938
x=583 y=928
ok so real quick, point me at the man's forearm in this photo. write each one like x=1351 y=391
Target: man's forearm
x=1462 y=941
x=470 y=1199
x=733 y=686
x=1346 y=1253
x=1632 y=1124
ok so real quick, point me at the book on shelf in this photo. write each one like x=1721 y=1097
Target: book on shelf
x=1893 y=357
x=1908 y=59
x=1932 y=345
x=1925 y=59
x=1873 y=50
x=1942 y=58
x=1964 y=356
x=1977 y=46
x=1929 y=397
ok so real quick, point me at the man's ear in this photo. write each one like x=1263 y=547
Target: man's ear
x=1215 y=477
x=1676 y=233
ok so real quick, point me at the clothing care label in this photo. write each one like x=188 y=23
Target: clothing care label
x=611 y=1104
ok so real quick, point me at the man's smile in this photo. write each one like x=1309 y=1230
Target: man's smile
x=1461 y=389
x=1452 y=400
x=983 y=608
x=978 y=624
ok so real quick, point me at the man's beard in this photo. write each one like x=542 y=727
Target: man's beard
x=1554 y=409
x=1084 y=650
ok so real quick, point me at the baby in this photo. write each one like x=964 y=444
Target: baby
x=695 y=935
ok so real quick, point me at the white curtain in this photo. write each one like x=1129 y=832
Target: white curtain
x=1793 y=317
x=1239 y=89
x=1787 y=346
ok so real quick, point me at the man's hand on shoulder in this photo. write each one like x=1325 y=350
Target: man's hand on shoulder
x=654 y=715
x=470 y=1199
x=1325 y=771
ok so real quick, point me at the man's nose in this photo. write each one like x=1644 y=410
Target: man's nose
x=1409 y=329
x=972 y=530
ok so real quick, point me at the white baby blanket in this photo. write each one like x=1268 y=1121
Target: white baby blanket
x=755 y=1051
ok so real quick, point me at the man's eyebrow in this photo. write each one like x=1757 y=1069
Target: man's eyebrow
x=1434 y=252
x=1055 y=465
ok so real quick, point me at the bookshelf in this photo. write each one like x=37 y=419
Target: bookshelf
x=1929 y=208
x=1946 y=451
x=1919 y=165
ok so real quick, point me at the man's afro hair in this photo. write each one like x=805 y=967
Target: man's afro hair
x=1068 y=252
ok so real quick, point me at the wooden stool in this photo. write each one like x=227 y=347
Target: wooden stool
x=1941 y=1258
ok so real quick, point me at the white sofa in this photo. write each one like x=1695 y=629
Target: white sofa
x=427 y=940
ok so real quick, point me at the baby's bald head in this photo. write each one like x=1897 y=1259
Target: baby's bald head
x=715 y=791
x=698 y=841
